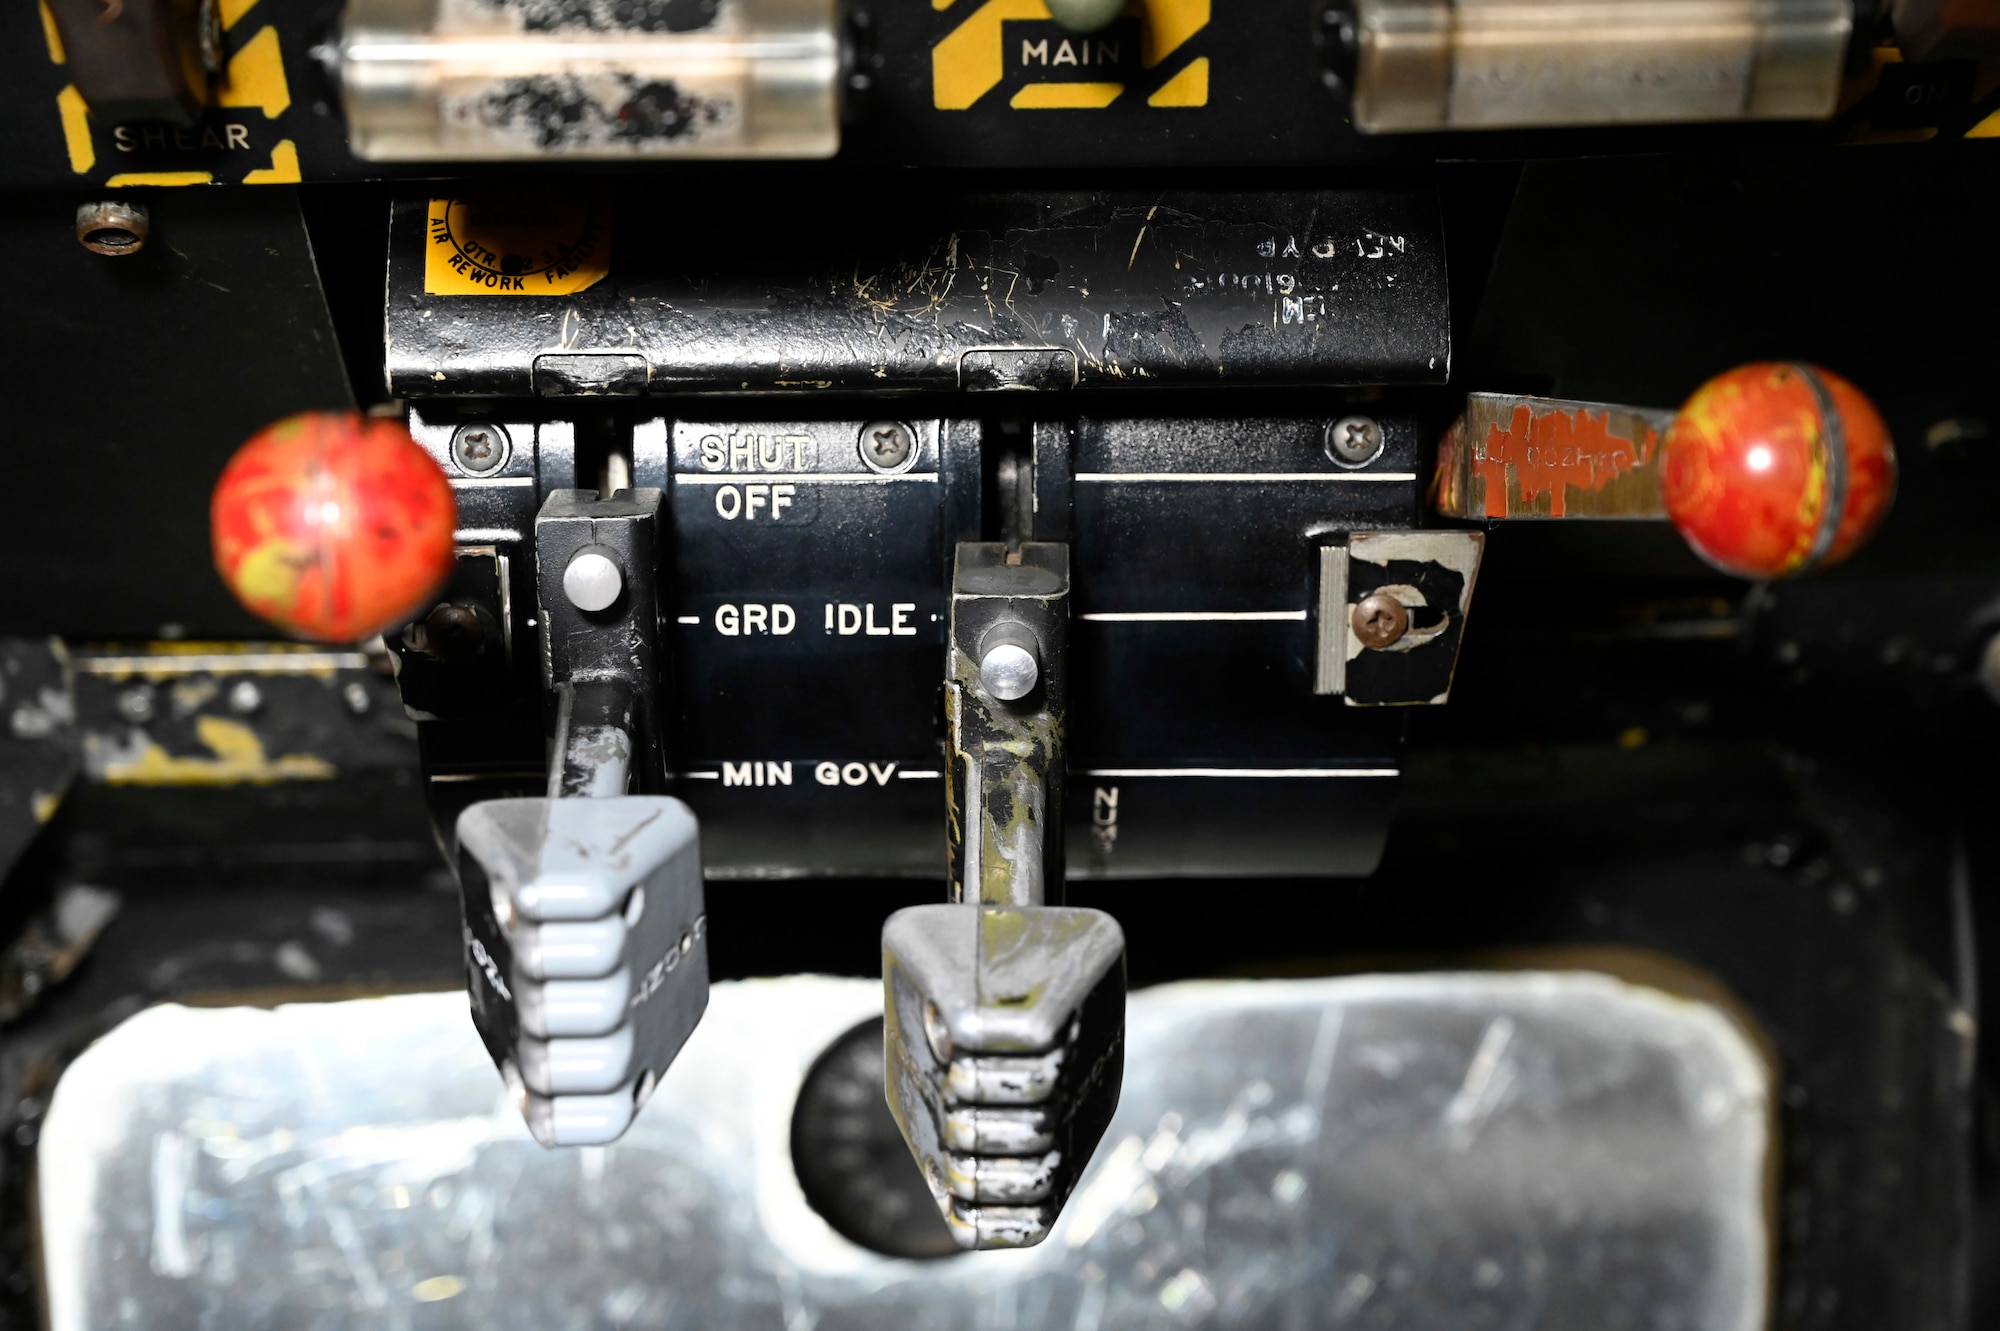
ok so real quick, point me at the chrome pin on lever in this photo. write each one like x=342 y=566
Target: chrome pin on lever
x=1004 y=1015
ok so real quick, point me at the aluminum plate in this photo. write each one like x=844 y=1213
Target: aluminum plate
x=1456 y=1150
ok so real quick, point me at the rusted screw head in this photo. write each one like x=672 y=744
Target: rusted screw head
x=887 y=445
x=452 y=631
x=1380 y=619
x=480 y=449
x=111 y=227
x=1353 y=441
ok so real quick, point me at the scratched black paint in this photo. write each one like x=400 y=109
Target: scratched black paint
x=1126 y=290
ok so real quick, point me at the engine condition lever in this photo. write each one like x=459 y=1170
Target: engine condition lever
x=587 y=959
x=1004 y=1015
x=585 y=924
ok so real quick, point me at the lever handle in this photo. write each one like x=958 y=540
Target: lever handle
x=586 y=954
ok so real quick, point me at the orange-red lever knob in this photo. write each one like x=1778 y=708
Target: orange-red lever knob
x=1774 y=469
x=333 y=526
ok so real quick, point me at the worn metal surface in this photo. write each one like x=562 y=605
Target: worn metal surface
x=584 y=952
x=1411 y=1153
x=1533 y=457
x=1005 y=1014
x=1004 y=1039
x=1157 y=290
x=221 y=714
x=1007 y=757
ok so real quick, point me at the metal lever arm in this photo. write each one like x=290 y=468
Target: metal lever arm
x=1005 y=1015
x=585 y=929
x=1005 y=697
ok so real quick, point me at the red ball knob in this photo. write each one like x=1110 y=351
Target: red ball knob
x=1774 y=469
x=333 y=526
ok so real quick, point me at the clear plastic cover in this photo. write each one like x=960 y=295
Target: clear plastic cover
x=458 y=80
x=1490 y=64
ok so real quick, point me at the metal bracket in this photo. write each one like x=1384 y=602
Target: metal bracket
x=1391 y=615
x=615 y=645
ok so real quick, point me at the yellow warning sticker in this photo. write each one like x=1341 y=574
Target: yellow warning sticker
x=499 y=246
x=1015 y=47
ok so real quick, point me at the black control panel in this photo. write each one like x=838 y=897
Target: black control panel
x=806 y=630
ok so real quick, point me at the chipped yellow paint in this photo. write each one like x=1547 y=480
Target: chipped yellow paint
x=157 y=660
x=50 y=35
x=175 y=660
x=437 y=1289
x=239 y=760
x=1187 y=88
x=191 y=695
x=256 y=77
x=232 y=10
x=284 y=168
x=1001 y=933
x=1001 y=930
x=1066 y=96
x=45 y=805
x=76 y=129
x=162 y=178
x=1988 y=128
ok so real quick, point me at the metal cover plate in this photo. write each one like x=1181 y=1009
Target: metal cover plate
x=1415 y=1151
x=910 y=291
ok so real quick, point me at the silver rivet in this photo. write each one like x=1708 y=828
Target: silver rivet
x=1354 y=441
x=355 y=694
x=592 y=579
x=1008 y=671
x=136 y=705
x=245 y=697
